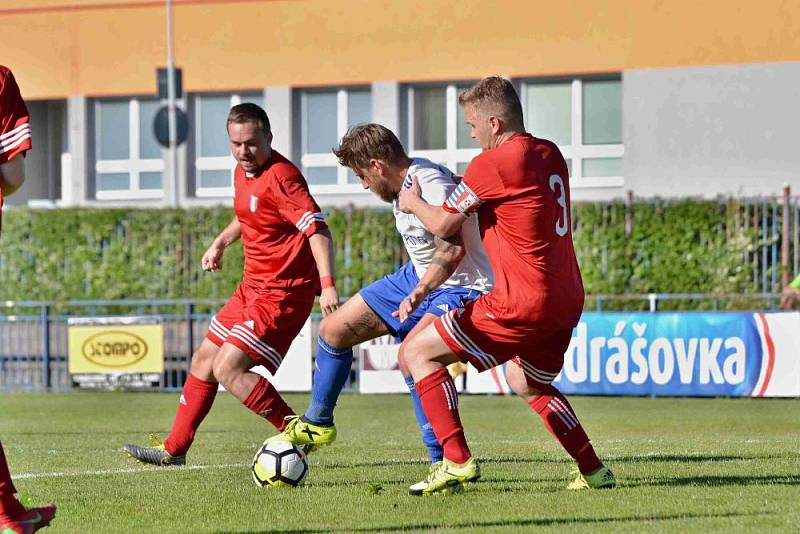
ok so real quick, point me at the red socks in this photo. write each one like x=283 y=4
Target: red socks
x=196 y=400
x=10 y=507
x=439 y=398
x=266 y=402
x=563 y=424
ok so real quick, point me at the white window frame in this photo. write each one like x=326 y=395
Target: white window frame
x=133 y=165
x=328 y=159
x=451 y=155
x=577 y=151
x=212 y=163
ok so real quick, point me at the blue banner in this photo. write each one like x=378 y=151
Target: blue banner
x=681 y=354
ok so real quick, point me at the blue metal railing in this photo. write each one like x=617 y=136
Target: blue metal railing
x=34 y=343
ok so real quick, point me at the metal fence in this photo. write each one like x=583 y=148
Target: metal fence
x=34 y=346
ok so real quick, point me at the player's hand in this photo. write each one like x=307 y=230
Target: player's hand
x=410 y=303
x=407 y=197
x=212 y=259
x=328 y=300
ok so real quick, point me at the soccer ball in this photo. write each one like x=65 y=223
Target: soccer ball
x=279 y=463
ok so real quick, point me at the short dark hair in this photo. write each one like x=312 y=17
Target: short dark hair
x=495 y=95
x=249 y=112
x=364 y=142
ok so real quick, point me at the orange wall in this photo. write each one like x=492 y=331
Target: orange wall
x=59 y=48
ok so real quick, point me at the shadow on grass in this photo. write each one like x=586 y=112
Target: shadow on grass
x=719 y=480
x=634 y=458
x=533 y=522
x=698 y=458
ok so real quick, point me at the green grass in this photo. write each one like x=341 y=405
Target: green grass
x=684 y=464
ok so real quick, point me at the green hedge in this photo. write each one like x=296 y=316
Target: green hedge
x=687 y=246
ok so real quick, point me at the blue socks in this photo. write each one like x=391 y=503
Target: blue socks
x=428 y=437
x=331 y=371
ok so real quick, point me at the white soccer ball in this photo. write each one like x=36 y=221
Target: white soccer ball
x=279 y=463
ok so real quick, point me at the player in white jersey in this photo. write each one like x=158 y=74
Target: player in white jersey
x=442 y=275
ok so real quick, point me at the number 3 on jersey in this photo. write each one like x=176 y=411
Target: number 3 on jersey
x=557 y=187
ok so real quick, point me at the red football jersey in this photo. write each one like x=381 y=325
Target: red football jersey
x=520 y=191
x=15 y=128
x=277 y=215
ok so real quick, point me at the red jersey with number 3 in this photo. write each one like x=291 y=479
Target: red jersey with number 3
x=520 y=192
x=277 y=216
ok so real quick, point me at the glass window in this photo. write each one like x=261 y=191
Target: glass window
x=325 y=117
x=117 y=181
x=128 y=163
x=150 y=180
x=211 y=179
x=430 y=118
x=114 y=130
x=549 y=111
x=602 y=112
x=212 y=125
x=602 y=167
x=321 y=175
x=584 y=118
x=359 y=107
x=320 y=131
x=148 y=146
x=437 y=128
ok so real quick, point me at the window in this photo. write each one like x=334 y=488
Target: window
x=325 y=117
x=128 y=162
x=437 y=130
x=213 y=162
x=584 y=118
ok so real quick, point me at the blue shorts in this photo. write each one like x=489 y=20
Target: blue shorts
x=384 y=297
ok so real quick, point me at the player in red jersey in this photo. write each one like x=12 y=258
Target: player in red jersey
x=15 y=135
x=288 y=258
x=519 y=189
x=15 y=140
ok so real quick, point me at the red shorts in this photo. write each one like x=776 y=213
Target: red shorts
x=263 y=323
x=475 y=335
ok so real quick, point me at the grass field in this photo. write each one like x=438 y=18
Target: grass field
x=684 y=464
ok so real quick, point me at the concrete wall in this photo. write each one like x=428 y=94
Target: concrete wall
x=708 y=131
x=63 y=48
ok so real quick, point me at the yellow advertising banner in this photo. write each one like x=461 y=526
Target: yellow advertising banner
x=116 y=348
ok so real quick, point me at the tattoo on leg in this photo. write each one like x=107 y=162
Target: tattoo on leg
x=366 y=323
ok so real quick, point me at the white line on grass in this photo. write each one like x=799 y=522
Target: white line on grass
x=101 y=472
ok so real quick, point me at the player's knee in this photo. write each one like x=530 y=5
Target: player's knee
x=333 y=333
x=223 y=370
x=410 y=355
x=535 y=391
x=401 y=360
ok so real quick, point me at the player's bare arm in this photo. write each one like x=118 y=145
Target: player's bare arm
x=12 y=174
x=322 y=249
x=438 y=221
x=449 y=253
x=212 y=259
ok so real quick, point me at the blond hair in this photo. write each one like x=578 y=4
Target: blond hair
x=496 y=96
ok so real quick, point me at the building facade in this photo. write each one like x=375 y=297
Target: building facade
x=669 y=99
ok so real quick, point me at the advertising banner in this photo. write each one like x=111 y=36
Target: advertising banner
x=676 y=354
x=688 y=353
x=115 y=345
